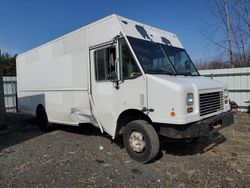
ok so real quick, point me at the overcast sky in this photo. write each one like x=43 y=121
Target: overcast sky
x=25 y=24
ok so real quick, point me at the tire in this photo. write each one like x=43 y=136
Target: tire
x=191 y=140
x=42 y=119
x=149 y=148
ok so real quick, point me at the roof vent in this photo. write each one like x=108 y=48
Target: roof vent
x=125 y=22
x=142 y=31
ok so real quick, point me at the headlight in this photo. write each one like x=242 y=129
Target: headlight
x=190 y=99
x=226 y=94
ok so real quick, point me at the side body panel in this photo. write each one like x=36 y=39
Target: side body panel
x=56 y=76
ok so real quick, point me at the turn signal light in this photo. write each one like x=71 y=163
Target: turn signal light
x=190 y=109
x=172 y=114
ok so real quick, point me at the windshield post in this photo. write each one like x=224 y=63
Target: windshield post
x=170 y=61
x=117 y=61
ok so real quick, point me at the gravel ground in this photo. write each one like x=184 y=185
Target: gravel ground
x=83 y=157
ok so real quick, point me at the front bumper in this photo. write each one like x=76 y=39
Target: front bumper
x=196 y=129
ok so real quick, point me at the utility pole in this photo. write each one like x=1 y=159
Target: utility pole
x=2 y=105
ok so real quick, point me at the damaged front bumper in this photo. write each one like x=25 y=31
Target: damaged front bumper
x=196 y=129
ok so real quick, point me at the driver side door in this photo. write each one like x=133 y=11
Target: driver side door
x=103 y=91
x=117 y=84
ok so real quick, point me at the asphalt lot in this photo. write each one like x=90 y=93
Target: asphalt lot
x=83 y=157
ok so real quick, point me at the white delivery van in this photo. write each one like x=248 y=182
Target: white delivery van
x=126 y=78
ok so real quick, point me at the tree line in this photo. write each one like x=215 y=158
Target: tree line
x=8 y=64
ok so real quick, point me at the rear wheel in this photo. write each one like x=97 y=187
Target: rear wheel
x=42 y=119
x=141 y=141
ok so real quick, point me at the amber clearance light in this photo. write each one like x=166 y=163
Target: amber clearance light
x=172 y=114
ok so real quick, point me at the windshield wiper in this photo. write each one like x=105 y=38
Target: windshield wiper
x=160 y=72
x=186 y=74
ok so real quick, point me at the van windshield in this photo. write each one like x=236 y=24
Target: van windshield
x=156 y=58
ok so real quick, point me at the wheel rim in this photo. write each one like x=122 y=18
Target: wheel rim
x=137 y=142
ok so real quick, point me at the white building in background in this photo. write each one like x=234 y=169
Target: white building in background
x=238 y=82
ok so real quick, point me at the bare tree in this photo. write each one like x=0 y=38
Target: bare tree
x=243 y=13
x=241 y=29
x=233 y=22
x=222 y=9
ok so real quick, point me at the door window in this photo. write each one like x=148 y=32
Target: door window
x=105 y=68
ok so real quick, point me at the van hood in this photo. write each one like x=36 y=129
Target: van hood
x=196 y=82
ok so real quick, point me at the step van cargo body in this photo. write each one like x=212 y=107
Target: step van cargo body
x=126 y=78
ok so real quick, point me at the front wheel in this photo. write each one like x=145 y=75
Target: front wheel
x=141 y=141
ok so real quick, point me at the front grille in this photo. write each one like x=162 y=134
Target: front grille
x=211 y=102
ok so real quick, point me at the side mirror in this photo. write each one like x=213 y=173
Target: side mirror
x=113 y=76
x=116 y=83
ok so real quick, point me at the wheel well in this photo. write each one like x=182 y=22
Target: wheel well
x=128 y=116
x=39 y=106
